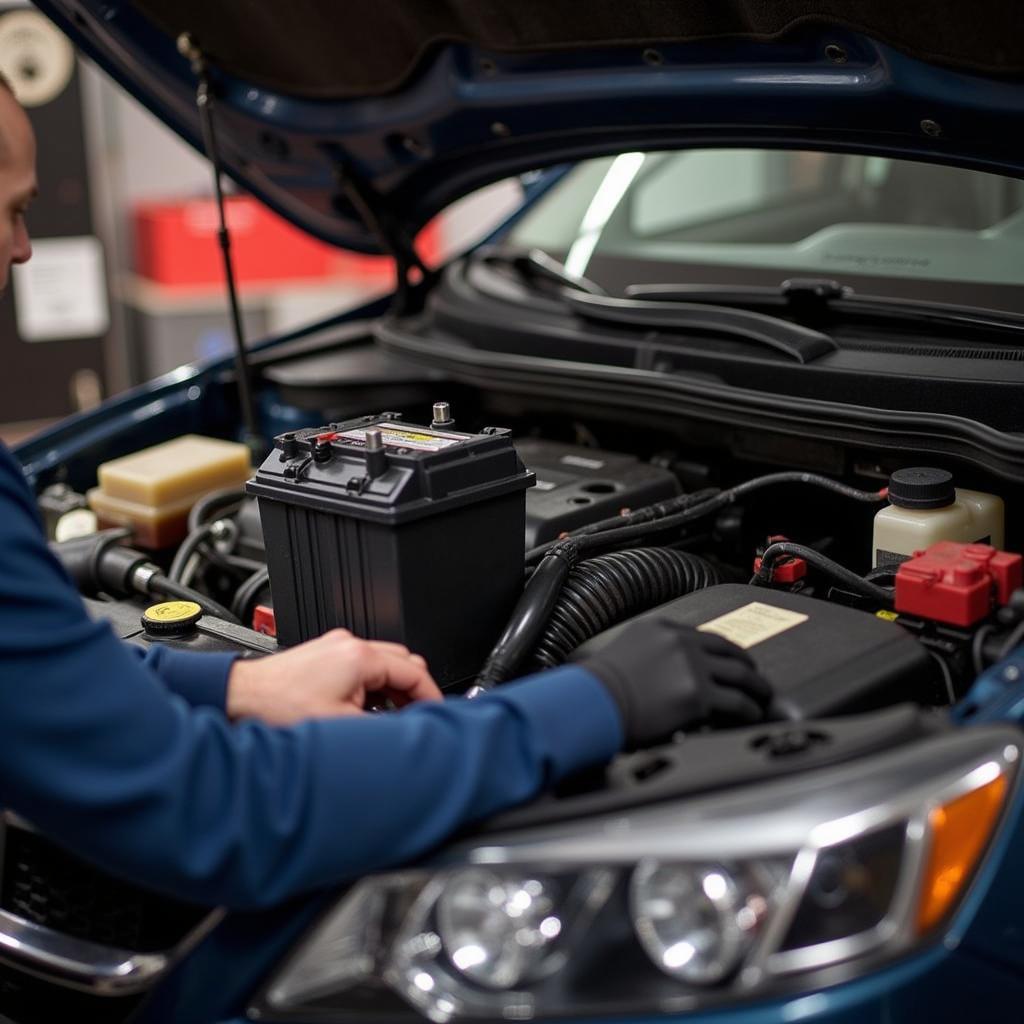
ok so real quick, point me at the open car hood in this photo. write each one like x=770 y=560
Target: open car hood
x=360 y=120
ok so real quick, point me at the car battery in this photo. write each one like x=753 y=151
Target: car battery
x=396 y=532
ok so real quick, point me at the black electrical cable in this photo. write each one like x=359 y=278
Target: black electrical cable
x=645 y=514
x=529 y=616
x=160 y=584
x=235 y=564
x=947 y=676
x=838 y=573
x=189 y=546
x=978 y=648
x=600 y=592
x=638 y=524
x=247 y=593
x=196 y=544
x=1015 y=639
x=220 y=502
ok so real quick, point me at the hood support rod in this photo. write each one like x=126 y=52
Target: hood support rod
x=189 y=48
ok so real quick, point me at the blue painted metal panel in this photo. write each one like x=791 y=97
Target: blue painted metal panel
x=474 y=117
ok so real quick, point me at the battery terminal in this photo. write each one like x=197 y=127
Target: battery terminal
x=376 y=456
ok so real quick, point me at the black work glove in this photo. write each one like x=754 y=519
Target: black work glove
x=664 y=676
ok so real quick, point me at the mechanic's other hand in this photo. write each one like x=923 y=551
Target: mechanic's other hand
x=665 y=676
x=326 y=677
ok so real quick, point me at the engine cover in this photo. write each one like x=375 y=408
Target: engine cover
x=821 y=658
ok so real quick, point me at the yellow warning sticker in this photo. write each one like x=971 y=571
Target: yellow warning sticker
x=398 y=438
x=753 y=624
x=884 y=613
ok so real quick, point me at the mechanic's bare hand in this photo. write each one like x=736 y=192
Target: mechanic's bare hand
x=327 y=677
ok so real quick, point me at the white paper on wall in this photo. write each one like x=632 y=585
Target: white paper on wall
x=62 y=292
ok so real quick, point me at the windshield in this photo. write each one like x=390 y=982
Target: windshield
x=751 y=216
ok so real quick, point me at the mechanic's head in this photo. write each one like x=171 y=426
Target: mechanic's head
x=17 y=181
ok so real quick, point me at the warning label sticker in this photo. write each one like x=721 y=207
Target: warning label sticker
x=753 y=624
x=396 y=437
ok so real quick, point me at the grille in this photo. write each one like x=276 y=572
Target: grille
x=49 y=886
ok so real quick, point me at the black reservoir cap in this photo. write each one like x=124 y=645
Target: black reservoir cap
x=921 y=487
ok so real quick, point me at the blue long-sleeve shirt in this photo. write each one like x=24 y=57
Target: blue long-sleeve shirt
x=132 y=762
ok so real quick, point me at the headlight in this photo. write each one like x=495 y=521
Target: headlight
x=666 y=907
x=496 y=930
x=696 y=921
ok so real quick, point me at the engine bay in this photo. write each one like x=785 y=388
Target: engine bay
x=501 y=551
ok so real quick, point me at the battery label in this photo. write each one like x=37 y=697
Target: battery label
x=753 y=624
x=395 y=437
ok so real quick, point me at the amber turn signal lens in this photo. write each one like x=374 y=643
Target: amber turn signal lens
x=960 y=831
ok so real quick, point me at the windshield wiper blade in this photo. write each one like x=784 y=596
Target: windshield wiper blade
x=819 y=299
x=794 y=340
x=535 y=264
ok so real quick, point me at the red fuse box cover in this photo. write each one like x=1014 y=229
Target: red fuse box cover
x=956 y=583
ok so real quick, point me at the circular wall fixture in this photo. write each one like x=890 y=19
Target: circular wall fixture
x=34 y=57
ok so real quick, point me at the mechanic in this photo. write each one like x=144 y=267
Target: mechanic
x=244 y=782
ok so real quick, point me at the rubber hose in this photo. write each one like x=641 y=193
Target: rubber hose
x=189 y=546
x=215 y=501
x=608 y=589
x=248 y=592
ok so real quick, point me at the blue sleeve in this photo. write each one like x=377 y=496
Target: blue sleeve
x=200 y=677
x=97 y=753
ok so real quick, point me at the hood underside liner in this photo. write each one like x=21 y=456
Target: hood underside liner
x=374 y=47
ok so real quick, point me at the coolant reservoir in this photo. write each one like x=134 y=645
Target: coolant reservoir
x=924 y=507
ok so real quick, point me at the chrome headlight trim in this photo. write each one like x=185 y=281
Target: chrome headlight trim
x=792 y=822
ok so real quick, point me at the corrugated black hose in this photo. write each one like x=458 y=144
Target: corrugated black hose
x=608 y=589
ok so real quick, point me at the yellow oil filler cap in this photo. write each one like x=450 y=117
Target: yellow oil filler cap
x=171 y=618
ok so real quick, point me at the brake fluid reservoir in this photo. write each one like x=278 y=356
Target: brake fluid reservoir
x=924 y=507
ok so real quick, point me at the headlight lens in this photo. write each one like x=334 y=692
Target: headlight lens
x=696 y=922
x=476 y=938
x=669 y=907
x=497 y=931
